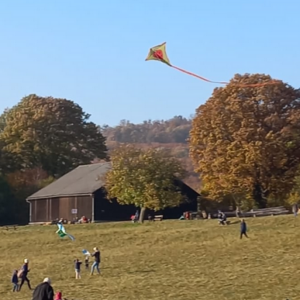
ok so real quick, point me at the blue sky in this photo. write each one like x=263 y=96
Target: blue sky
x=93 y=52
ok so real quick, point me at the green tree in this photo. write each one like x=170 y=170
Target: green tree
x=246 y=140
x=8 y=204
x=51 y=133
x=144 y=178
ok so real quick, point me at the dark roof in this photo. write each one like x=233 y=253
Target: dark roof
x=84 y=180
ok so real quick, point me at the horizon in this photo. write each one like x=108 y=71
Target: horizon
x=94 y=53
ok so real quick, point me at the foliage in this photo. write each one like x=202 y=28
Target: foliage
x=144 y=178
x=51 y=133
x=8 y=204
x=160 y=260
x=23 y=184
x=294 y=196
x=175 y=130
x=246 y=141
x=170 y=134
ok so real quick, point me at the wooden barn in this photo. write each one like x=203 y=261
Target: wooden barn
x=81 y=192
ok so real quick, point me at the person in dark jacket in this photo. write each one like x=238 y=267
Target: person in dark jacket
x=43 y=291
x=243 y=229
x=96 y=263
x=24 y=274
x=15 y=281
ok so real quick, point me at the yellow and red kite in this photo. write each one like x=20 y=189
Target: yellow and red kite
x=159 y=53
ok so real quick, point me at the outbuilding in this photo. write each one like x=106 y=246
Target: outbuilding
x=81 y=192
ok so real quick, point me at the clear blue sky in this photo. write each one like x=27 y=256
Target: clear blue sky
x=93 y=52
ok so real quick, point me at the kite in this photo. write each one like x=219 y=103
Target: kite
x=159 y=53
x=62 y=232
x=86 y=253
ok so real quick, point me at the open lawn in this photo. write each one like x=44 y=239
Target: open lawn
x=163 y=260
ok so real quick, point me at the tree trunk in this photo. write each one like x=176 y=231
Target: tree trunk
x=142 y=214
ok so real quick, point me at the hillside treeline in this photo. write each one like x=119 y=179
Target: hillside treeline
x=175 y=130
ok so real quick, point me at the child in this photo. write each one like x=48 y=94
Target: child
x=58 y=296
x=77 y=268
x=15 y=281
x=86 y=261
x=243 y=229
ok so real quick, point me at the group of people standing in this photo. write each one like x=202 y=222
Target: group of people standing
x=44 y=291
x=95 y=265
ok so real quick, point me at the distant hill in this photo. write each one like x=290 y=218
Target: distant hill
x=171 y=134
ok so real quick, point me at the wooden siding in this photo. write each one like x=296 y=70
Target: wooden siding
x=47 y=210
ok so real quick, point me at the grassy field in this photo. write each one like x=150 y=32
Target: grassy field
x=162 y=260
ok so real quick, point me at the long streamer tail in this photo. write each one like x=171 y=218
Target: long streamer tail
x=224 y=82
x=71 y=237
x=197 y=76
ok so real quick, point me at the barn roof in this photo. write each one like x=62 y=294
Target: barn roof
x=84 y=180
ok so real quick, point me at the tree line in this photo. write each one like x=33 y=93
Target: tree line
x=244 y=144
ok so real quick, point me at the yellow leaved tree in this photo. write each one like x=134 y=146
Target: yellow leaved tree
x=145 y=178
x=245 y=141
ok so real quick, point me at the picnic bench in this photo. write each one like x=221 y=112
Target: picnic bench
x=7 y=227
x=158 y=217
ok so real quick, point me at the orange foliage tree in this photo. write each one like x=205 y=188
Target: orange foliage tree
x=246 y=141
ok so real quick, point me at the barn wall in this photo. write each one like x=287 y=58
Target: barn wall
x=111 y=211
x=47 y=210
x=39 y=211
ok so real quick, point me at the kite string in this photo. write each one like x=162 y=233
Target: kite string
x=223 y=82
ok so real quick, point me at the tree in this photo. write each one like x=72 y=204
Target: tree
x=246 y=140
x=144 y=178
x=51 y=133
x=7 y=203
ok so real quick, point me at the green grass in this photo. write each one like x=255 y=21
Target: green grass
x=162 y=260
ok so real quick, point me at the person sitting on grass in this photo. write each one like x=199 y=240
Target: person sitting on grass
x=96 y=263
x=15 y=281
x=222 y=218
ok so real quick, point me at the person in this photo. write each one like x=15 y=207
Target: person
x=77 y=268
x=222 y=218
x=23 y=274
x=15 y=281
x=86 y=262
x=243 y=229
x=58 y=296
x=44 y=291
x=96 y=263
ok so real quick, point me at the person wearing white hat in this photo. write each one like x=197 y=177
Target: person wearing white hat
x=23 y=274
x=96 y=263
x=44 y=291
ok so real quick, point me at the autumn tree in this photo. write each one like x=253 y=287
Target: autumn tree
x=54 y=134
x=144 y=178
x=245 y=141
x=7 y=203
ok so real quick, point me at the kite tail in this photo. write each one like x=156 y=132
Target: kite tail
x=223 y=82
x=197 y=76
x=71 y=237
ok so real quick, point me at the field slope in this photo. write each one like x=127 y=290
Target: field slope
x=163 y=260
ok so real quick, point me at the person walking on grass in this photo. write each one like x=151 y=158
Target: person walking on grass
x=44 y=291
x=15 y=281
x=96 y=263
x=23 y=274
x=243 y=229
